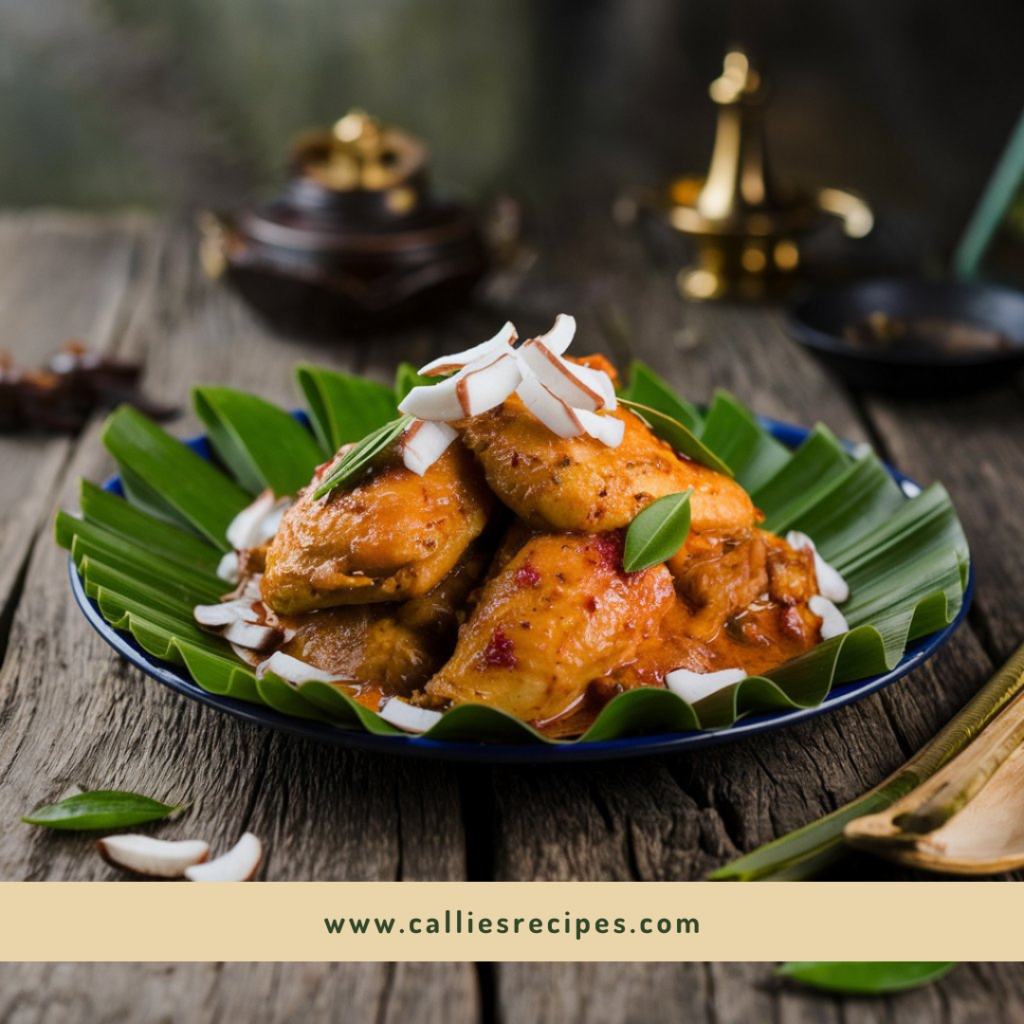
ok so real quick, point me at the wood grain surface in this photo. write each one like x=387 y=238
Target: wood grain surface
x=71 y=712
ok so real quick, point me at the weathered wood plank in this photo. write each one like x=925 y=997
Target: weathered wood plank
x=76 y=713
x=61 y=276
x=152 y=993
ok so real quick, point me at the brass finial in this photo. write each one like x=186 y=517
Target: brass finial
x=745 y=227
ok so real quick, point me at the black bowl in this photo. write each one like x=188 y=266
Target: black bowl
x=817 y=323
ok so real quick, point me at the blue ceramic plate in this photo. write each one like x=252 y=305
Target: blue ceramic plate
x=533 y=753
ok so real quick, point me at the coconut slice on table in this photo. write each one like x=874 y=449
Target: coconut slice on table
x=239 y=864
x=505 y=338
x=154 y=858
x=695 y=686
x=291 y=670
x=407 y=716
x=830 y=584
x=833 y=622
x=423 y=443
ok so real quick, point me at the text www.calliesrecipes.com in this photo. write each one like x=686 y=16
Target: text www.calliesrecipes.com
x=458 y=922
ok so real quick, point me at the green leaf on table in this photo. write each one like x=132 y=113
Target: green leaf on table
x=100 y=809
x=658 y=532
x=199 y=494
x=647 y=388
x=343 y=408
x=357 y=459
x=681 y=438
x=263 y=446
x=855 y=977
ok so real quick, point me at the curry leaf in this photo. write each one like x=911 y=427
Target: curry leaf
x=354 y=461
x=851 y=977
x=681 y=438
x=658 y=532
x=100 y=809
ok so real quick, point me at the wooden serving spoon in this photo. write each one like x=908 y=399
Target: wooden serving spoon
x=968 y=818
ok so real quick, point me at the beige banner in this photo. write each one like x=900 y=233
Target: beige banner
x=553 y=921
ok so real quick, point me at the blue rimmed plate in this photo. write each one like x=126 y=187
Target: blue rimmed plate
x=635 y=746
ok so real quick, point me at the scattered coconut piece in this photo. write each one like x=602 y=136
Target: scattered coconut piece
x=559 y=338
x=407 y=716
x=254 y=636
x=258 y=522
x=239 y=864
x=294 y=671
x=607 y=429
x=155 y=858
x=830 y=583
x=558 y=416
x=227 y=568
x=423 y=443
x=695 y=686
x=249 y=657
x=833 y=622
x=558 y=376
x=449 y=364
x=226 y=613
x=245 y=527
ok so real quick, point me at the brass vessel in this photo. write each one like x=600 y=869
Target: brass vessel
x=356 y=240
x=747 y=228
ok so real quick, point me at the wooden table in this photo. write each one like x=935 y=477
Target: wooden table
x=71 y=712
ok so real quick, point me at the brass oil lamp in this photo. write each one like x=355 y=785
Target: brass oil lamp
x=746 y=228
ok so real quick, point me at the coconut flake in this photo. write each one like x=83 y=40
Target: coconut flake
x=226 y=613
x=695 y=686
x=476 y=388
x=448 y=364
x=596 y=380
x=253 y=636
x=830 y=584
x=239 y=864
x=423 y=443
x=833 y=622
x=227 y=568
x=559 y=338
x=294 y=671
x=558 y=416
x=245 y=527
x=556 y=374
x=607 y=429
x=155 y=858
x=407 y=716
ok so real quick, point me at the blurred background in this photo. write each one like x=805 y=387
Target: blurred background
x=183 y=105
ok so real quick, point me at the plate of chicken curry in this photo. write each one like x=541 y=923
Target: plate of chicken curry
x=512 y=554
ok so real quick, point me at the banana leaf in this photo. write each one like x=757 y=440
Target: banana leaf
x=148 y=558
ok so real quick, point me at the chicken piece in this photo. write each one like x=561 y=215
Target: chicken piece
x=559 y=617
x=717 y=575
x=791 y=576
x=742 y=604
x=390 y=538
x=390 y=649
x=579 y=483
